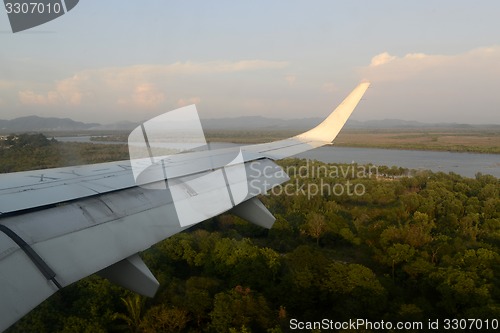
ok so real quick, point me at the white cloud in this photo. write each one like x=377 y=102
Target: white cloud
x=434 y=87
x=65 y=92
x=386 y=67
x=133 y=86
x=31 y=98
x=380 y=59
x=188 y=101
x=144 y=95
x=6 y=84
x=291 y=79
x=116 y=74
x=329 y=87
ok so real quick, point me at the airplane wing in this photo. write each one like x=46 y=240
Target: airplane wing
x=60 y=225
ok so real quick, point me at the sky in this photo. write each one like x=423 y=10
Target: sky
x=114 y=60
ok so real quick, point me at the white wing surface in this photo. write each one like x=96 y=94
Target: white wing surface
x=60 y=225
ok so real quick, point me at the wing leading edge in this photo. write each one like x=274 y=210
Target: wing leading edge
x=99 y=220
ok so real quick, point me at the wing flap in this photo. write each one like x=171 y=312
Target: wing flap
x=83 y=237
x=19 y=296
x=132 y=273
x=254 y=211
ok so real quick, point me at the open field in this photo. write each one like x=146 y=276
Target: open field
x=459 y=141
x=455 y=139
x=479 y=141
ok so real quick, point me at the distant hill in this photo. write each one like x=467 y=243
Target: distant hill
x=42 y=124
x=398 y=123
x=35 y=123
x=253 y=122
x=119 y=126
x=245 y=123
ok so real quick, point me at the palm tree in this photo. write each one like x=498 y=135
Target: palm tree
x=135 y=306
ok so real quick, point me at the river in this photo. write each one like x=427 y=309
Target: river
x=465 y=164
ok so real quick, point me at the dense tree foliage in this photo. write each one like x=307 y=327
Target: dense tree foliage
x=414 y=246
x=35 y=151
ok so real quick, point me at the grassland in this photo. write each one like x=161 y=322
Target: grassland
x=456 y=140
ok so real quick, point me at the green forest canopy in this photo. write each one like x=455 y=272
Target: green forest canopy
x=411 y=248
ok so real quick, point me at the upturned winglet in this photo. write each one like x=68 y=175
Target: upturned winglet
x=327 y=131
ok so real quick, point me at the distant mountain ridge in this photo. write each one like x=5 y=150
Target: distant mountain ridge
x=35 y=123
x=45 y=124
x=253 y=122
